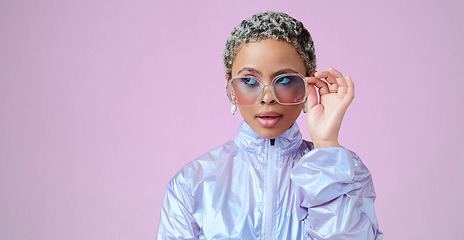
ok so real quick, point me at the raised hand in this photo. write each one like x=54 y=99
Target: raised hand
x=326 y=110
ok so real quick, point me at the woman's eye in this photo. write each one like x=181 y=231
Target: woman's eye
x=249 y=81
x=284 y=80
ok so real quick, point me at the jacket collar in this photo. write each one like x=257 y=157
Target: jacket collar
x=286 y=143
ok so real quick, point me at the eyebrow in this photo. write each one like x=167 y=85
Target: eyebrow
x=283 y=71
x=256 y=72
x=251 y=70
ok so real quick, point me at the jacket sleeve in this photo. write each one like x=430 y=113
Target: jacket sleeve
x=177 y=220
x=335 y=195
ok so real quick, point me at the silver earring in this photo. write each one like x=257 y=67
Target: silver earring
x=305 y=107
x=233 y=109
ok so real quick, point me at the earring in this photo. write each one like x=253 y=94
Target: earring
x=305 y=107
x=233 y=109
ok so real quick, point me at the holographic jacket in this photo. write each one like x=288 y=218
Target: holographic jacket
x=255 y=188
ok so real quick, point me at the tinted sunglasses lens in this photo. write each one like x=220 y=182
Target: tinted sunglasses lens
x=247 y=90
x=290 y=89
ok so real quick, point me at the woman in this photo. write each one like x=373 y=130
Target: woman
x=269 y=183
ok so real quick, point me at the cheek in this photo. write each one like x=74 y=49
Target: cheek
x=294 y=111
x=243 y=98
x=246 y=112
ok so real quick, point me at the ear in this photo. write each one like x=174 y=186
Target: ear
x=227 y=80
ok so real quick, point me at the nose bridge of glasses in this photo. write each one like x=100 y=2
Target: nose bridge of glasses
x=269 y=93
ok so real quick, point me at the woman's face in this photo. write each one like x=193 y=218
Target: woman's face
x=267 y=59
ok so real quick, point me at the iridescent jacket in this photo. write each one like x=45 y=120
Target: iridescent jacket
x=255 y=188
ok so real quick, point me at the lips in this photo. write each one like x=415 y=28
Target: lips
x=268 y=119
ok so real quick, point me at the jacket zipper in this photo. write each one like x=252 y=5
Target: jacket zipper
x=269 y=207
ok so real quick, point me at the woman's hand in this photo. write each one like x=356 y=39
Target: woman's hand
x=325 y=113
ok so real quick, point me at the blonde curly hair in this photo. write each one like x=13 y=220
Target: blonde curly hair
x=275 y=25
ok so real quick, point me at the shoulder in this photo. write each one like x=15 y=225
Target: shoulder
x=204 y=166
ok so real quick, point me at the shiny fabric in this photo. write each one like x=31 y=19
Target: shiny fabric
x=251 y=189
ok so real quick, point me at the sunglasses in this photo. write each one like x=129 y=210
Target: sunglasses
x=287 y=89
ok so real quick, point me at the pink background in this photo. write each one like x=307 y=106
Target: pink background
x=102 y=102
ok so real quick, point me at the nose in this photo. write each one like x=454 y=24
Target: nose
x=268 y=97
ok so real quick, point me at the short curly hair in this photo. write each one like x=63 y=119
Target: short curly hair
x=275 y=25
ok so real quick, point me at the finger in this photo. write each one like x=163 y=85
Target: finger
x=338 y=77
x=312 y=99
x=322 y=86
x=330 y=78
x=350 y=86
x=322 y=74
